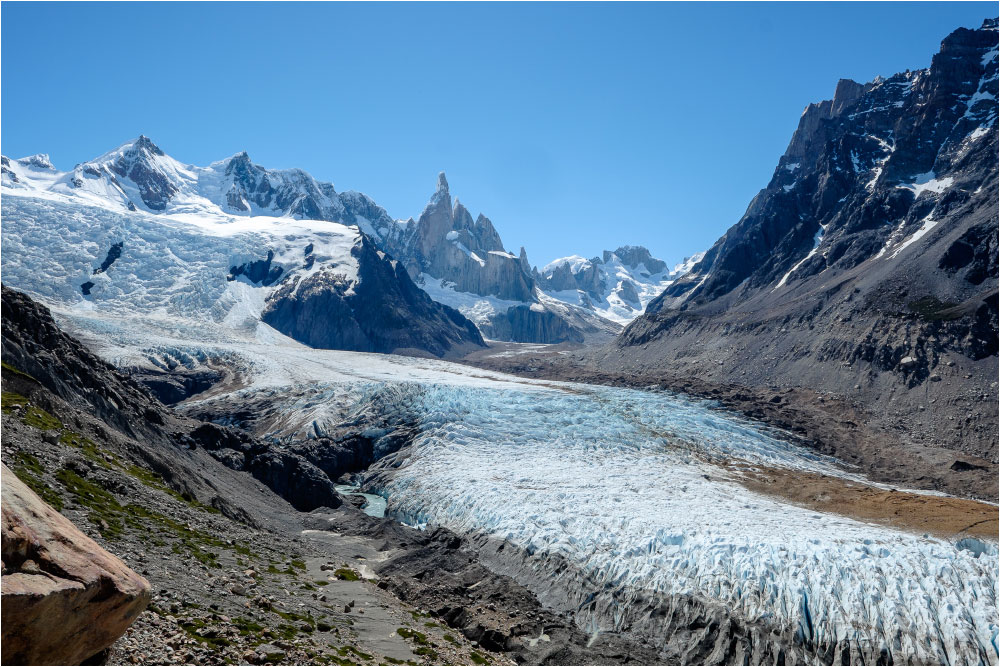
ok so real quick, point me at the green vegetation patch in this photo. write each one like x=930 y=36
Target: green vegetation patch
x=347 y=650
x=194 y=627
x=155 y=481
x=105 y=512
x=409 y=633
x=90 y=450
x=931 y=309
x=7 y=368
x=426 y=650
x=29 y=470
x=33 y=415
x=111 y=518
x=247 y=627
x=479 y=658
x=346 y=574
x=451 y=638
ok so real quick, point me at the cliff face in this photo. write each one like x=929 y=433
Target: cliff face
x=381 y=311
x=461 y=262
x=868 y=265
x=447 y=243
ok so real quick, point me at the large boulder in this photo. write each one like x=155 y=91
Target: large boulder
x=64 y=599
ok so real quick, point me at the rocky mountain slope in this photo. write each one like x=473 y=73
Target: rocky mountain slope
x=868 y=265
x=617 y=286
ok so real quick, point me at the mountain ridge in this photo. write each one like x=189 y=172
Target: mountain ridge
x=868 y=265
x=459 y=260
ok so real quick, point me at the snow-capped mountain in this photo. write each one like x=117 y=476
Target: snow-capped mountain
x=230 y=245
x=868 y=265
x=139 y=176
x=461 y=261
x=616 y=286
x=867 y=174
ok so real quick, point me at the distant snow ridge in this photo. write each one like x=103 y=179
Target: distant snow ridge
x=460 y=259
x=322 y=283
x=616 y=286
x=139 y=176
x=618 y=483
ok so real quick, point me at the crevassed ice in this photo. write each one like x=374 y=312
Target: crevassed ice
x=615 y=481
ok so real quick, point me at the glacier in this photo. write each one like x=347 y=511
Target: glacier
x=615 y=503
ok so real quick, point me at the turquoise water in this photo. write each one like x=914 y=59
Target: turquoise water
x=374 y=505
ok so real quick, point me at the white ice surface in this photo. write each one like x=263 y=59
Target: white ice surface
x=612 y=479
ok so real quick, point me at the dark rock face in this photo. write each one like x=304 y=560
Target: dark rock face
x=34 y=344
x=446 y=243
x=288 y=474
x=383 y=311
x=114 y=252
x=869 y=263
x=259 y=272
x=155 y=187
x=853 y=167
x=523 y=324
x=170 y=387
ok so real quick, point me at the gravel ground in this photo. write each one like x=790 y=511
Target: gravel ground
x=224 y=592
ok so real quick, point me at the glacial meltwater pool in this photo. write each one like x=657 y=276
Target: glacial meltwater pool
x=374 y=505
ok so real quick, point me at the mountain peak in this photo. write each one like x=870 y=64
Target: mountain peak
x=145 y=143
x=442 y=185
x=39 y=160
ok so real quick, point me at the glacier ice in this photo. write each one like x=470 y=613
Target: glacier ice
x=635 y=489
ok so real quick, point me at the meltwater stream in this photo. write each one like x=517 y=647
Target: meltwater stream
x=624 y=486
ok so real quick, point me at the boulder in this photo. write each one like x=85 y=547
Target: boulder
x=64 y=598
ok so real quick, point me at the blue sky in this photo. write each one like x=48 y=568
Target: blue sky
x=574 y=127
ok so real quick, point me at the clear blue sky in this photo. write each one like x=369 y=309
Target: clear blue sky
x=574 y=127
